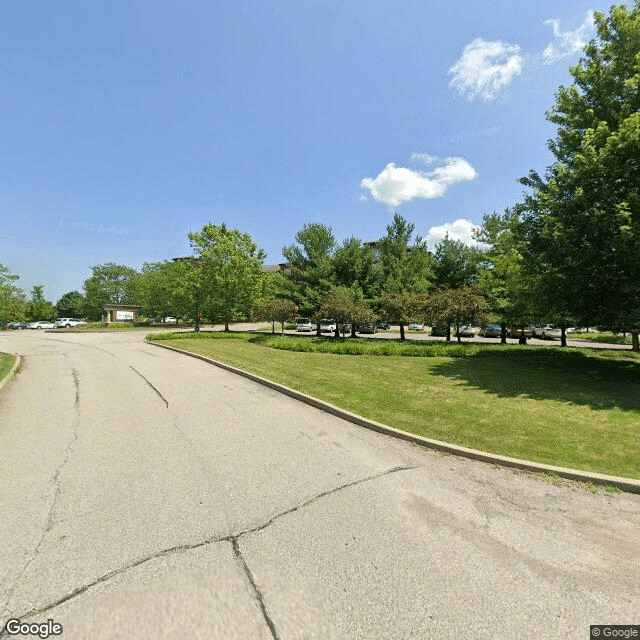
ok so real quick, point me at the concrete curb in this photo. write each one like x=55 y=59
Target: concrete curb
x=626 y=484
x=9 y=375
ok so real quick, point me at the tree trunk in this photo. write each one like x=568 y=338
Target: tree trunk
x=448 y=333
x=563 y=337
x=401 y=331
x=353 y=329
x=282 y=325
x=196 y=328
x=318 y=332
x=635 y=342
x=336 y=333
x=458 y=332
x=503 y=333
x=523 y=336
x=273 y=328
x=226 y=325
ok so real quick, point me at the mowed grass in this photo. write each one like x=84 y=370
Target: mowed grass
x=6 y=362
x=579 y=410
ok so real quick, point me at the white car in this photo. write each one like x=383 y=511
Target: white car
x=305 y=324
x=547 y=331
x=171 y=320
x=327 y=326
x=42 y=324
x=66 y=323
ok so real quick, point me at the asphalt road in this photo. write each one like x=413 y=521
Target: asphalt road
x=145 y=494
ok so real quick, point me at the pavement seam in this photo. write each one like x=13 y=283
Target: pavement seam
x=626 y=484
x=232 y=538
x=57 y=488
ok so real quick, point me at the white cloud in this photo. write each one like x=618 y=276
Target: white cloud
x=461 y=229
x=395 y=185
x=425 y=158
x=567 y=43
x=485 y=69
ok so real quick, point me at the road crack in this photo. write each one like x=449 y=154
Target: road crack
x=233 y=539
x=57 y=492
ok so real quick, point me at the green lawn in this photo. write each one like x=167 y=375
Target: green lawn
x=6 y=362
x=575 y=410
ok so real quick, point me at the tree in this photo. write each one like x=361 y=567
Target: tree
x=232 y=275
x=455 y=264
x=310 y=261
x=580 y=223
x=109 y=283
x=12 y=298
x=273 y=310
x=354 y=268
x=405 y=266
x=501 y=277
x=456 y=307
x=39 y=308
x=70 y=305
x=402 y=308
x=344 y=309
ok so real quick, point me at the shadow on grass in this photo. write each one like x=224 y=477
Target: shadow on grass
x=599 y=384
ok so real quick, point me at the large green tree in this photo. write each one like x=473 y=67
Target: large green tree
x=405 y=262
x=580 y=222
x=13 y=303
x=109 y=283
x=233 y=278
x=70 y=305
x=39 y=308
x=455 y=264
x=310 y=262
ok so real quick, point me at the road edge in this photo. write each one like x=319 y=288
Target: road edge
x=626 y=484
x=11 y=371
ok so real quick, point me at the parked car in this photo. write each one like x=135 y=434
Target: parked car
x=491 y=331
x=416 y=326
x=514 y=332
x=18 y=325
x=170 y=320
x=439 y=330
x=466 y=331
x=42 y=324
x=383 y=324
x=305 y=324
x=66 y=323
x=371 y=327
x=327 y=326
x=344 y=329
x=547 y=331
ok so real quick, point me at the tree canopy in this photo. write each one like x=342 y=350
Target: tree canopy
x=580 y=222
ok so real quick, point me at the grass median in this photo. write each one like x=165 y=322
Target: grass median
x=6 y=362
x=571 y=408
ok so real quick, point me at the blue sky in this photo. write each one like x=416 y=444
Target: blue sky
x=124 y=125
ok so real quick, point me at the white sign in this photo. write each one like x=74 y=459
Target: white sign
x=124 y=315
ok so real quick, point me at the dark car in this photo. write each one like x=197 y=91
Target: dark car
x=371 y=327
x=491 y=331
x=439 y=330
x=18 y=325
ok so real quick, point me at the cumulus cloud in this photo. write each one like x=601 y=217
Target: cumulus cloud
x=485 y=69
x=461 y=229
x=567 y=43
x=395 y=185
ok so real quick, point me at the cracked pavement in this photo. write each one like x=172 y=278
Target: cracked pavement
x=162 y=497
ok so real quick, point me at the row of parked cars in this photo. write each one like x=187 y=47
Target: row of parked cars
x=329 y=326
x=544 y=332
x=65 y=323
